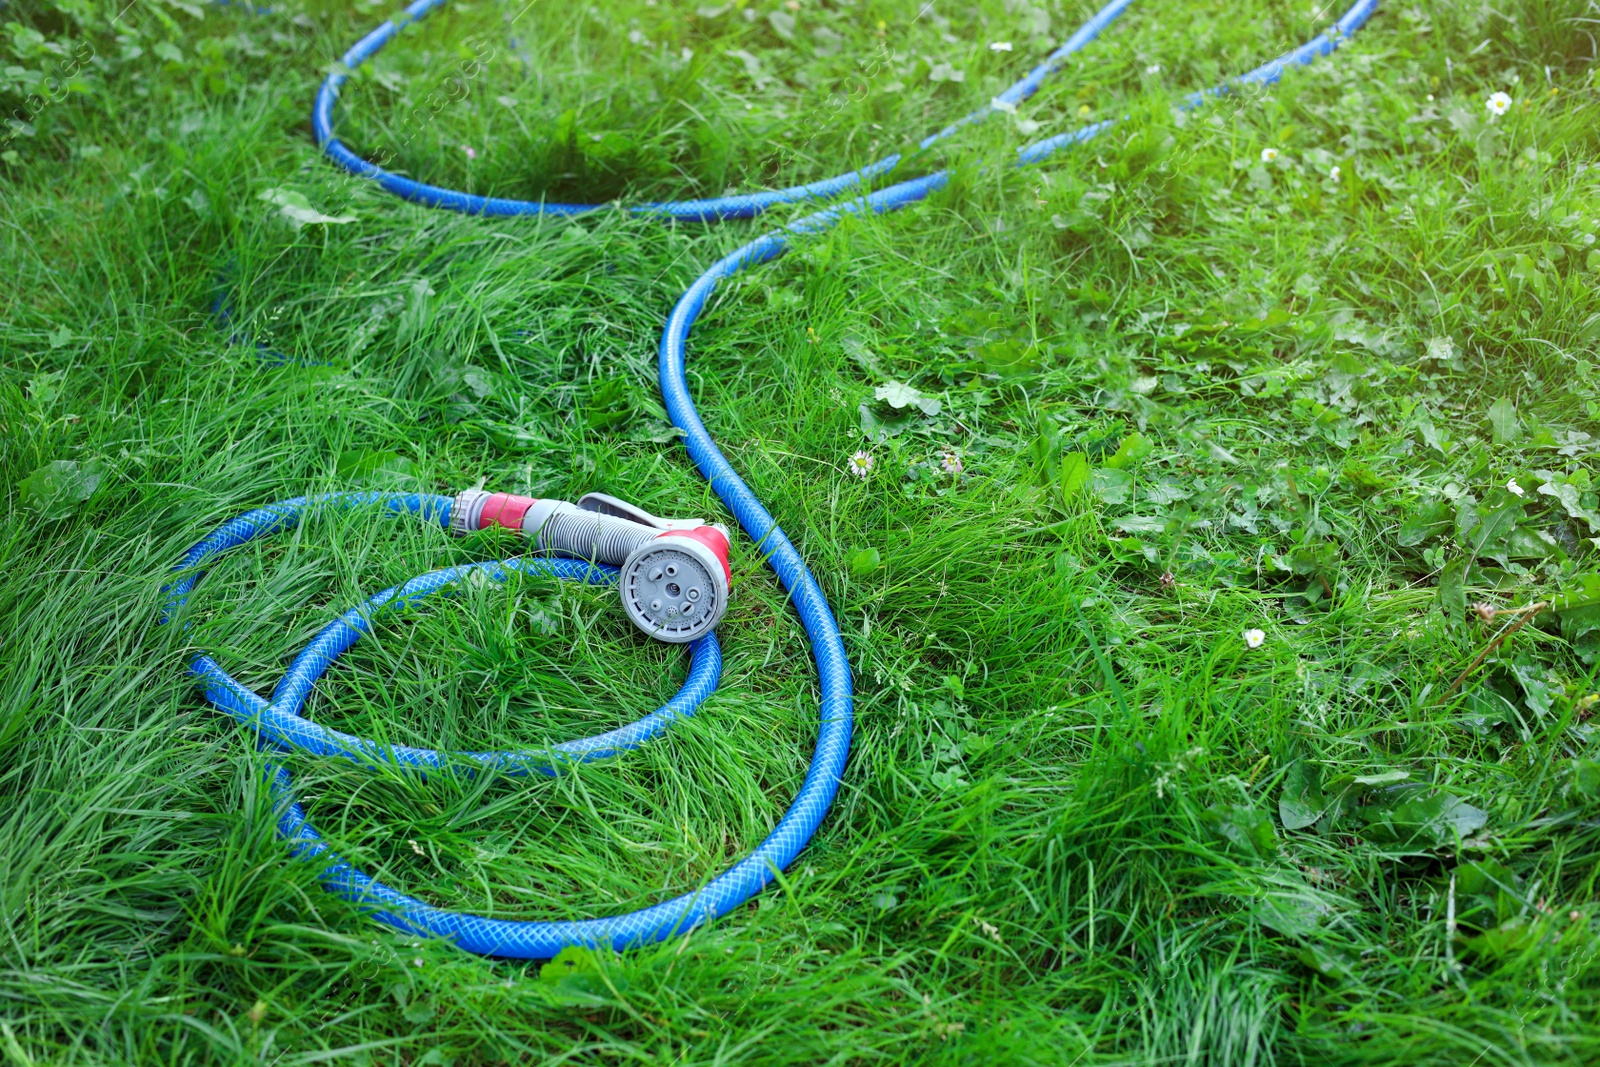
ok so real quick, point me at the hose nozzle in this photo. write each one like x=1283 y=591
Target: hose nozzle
x=675 y=585
x=675 y=576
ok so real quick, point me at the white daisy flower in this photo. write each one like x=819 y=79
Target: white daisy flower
x=999 y=46
x=1498 y=104
x=1335 y=173
x=950 y=462
x=1269 y=155
x=1514 y=487
x=1254 y=638
x=860 y=464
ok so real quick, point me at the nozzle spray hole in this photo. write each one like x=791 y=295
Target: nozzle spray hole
x=655 y=575
x=672 y=589
x=672 y=568
x=694 y=594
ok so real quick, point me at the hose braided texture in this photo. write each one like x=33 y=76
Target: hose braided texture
x=278 y=721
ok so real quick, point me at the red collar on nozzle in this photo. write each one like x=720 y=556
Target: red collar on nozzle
x=712 y=538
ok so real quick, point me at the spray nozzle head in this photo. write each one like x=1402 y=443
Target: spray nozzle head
x=675 y=578
x=675 y=586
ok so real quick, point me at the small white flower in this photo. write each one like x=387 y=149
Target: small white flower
x=1269 y=155
x=1154 y=68
x=860 y=464
x=1514 y=487
x=1498 y=104
x=950 y=462
x=997 y=104
x=1254 y=638
x=1335 y=173
x=999 y=46
x=472 y=153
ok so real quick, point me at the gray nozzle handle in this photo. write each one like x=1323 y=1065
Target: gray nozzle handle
x=569 y=530
x=610 y=505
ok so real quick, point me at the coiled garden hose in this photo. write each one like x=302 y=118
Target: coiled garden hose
x=278 y=721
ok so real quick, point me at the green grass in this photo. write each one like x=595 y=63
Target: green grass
x=1193 y=394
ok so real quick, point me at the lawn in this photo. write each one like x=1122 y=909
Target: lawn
x=1211 y=512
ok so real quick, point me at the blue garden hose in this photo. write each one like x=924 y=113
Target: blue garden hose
x=713 y=210
x=278 y=721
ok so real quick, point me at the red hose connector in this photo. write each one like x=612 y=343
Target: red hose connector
x=475 y=509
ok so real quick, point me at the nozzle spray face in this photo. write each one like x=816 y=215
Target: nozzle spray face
x=675 y=586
